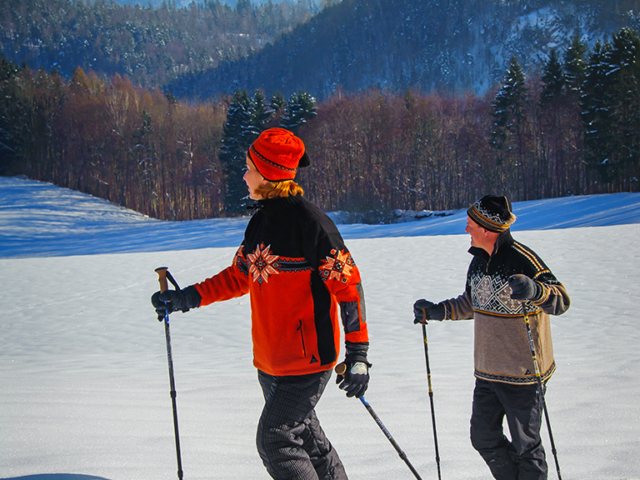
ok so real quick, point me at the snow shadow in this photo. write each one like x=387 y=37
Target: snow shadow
x=56 y=476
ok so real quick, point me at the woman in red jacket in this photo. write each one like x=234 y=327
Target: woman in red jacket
x=299 y=274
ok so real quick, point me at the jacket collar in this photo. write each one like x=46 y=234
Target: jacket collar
x=504 y=240
x=276 y=202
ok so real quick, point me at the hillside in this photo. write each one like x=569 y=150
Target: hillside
x=448 y=45
x=149 y=43
x=213 y=47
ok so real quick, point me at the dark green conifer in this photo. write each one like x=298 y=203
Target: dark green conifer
x=575 y=65
x=508 y=106
x=552 y=78
x=596 y=110
x=300 y=108
x=238 y=134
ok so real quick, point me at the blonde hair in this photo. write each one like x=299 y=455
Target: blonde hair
x=286 y=188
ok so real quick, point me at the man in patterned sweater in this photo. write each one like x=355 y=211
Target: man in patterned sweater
x=503 y=279
x=300 y=278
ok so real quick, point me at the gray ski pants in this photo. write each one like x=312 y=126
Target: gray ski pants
x=290 y=441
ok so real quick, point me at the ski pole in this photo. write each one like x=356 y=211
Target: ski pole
x=163 y=274
x=433 y=414
x=340 y=369
x=540 y=387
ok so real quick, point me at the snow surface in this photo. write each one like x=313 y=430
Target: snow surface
x=83 y=364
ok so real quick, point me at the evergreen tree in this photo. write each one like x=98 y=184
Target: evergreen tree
x=7 y=119
x=261 y=113
x=278 y=101
x=575 y=65
x=624 y=67
x=300 y=108
x=7 y=68
x=508 y=106
x=596 y=111
x=552 y=78
x=246 y=119
x=509 y=121
x=238 y=133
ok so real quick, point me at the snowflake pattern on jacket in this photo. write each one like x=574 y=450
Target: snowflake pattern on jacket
x=263 y=264
x=338 y=266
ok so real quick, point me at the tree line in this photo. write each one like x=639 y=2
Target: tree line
x=571 y=129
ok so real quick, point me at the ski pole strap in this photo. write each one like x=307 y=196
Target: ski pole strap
x=172 y=280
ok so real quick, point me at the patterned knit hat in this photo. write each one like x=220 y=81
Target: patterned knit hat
x=277 y=154
x=492 y=213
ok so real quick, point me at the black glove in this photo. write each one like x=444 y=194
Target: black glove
x=172 y=300
x=434 y=311
x=523 y=288
x=355 y=379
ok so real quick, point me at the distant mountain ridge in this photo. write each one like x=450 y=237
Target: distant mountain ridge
x=450 y=46
x=150 y=45
x=186 y=3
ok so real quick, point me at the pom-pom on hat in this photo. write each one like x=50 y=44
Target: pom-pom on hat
x=277 y=154
x=492 y=213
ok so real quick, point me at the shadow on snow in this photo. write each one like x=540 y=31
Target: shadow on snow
x=56 y=476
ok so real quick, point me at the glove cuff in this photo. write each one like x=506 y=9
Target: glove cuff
x=538 y=291
x=357 y=352
x=192 y=298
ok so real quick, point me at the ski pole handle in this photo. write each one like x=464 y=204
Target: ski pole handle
x=340 y=368
x=162 y=278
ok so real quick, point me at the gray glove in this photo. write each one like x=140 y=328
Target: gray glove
x=433 y=311
x=523 y=288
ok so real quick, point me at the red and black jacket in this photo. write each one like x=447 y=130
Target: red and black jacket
x=298 y=272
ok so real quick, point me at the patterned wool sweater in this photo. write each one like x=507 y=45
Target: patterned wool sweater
x=294 y=265
x=501 y=346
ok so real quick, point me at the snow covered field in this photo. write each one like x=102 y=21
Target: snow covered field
x=83 y=367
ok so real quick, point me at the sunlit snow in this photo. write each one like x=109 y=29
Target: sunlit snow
x=83 y=365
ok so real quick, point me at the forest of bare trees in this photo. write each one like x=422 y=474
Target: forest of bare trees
x=573 y=129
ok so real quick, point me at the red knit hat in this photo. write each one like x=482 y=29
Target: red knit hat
x=277 y=154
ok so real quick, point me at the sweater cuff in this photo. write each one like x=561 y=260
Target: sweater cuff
x=542 y=293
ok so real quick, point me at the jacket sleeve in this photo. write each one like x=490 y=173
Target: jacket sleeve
x=459 y=308
x=554 y=299
x=230 y=283
x=341 y=276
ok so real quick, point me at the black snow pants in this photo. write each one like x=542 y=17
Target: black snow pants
x=290 y=441
x=523 y=457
